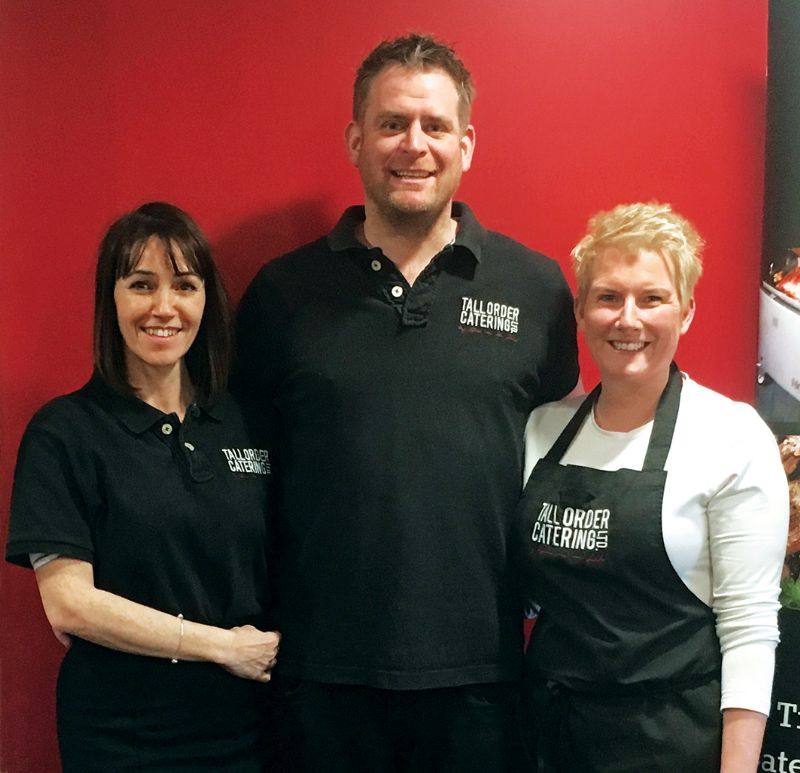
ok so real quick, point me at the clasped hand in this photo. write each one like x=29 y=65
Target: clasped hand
x=252 y=653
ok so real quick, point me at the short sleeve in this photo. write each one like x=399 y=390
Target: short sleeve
x=562 y=355
x=50 y=512
x=260 y=322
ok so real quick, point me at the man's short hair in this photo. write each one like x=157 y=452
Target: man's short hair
x=415 y=52
x=634 y=227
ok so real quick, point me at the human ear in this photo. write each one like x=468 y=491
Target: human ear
x=688 y=316
x=353 y=139
x=577 y=308
x=467 y=143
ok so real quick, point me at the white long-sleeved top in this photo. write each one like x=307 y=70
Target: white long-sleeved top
x=724 y=518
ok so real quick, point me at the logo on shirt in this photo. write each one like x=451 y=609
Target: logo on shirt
x=250 y=460
x=571 y=528
x=489 y=317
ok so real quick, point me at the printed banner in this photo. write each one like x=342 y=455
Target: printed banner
x=778 y=388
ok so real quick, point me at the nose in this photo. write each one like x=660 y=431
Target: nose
x=414 y=138
x=628 y=315
x=164 y=302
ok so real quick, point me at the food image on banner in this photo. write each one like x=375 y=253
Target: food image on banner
x=790 y=584
x=779 y=340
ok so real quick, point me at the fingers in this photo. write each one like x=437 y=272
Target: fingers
x=253 y=654
x=276 y=639
x=266 y=674
x=259 y=673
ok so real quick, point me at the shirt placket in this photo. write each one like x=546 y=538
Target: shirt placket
x=412 y=302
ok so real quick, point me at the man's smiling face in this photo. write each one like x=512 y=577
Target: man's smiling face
x=408 y=145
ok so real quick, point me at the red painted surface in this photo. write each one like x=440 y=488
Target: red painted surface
x=235 y=111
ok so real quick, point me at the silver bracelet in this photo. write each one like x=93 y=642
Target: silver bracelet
x=180 y=640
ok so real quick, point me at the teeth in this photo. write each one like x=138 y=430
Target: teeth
x=160 y=332
x=412 y=173
x=628 y=346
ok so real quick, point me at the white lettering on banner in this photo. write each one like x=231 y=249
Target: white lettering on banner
x=479 y=315
x=785 y=712
x=572 y=528
x=786 y=715
x=250 y=460
x=778 y=764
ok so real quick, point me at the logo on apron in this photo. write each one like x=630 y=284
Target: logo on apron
x=572 y=531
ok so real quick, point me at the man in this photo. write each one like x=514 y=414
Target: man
x=402 y=354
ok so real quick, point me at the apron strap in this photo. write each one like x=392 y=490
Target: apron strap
x=660 y=436
x=664 y=422
x=559 y=448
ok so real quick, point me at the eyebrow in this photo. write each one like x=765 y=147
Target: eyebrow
x=440 y=118
x=653 y=286
x=145 y=272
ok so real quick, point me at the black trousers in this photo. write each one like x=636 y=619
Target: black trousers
x=330 y=728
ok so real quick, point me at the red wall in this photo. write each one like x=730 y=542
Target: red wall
x=235 y=112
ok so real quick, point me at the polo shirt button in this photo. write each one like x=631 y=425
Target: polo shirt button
x=397 y=291
x=166 y=429
x=189 y=446
x=376 y=265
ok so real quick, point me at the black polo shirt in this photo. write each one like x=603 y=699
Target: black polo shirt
x=400 y=419
x=170 y=514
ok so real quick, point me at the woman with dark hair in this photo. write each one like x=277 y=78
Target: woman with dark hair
x=141 y=502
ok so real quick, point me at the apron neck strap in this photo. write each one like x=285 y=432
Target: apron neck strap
x=663 y=424
x=559 y=448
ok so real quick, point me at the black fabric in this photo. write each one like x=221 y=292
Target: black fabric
x=331 y=728
x=620 y=641
x=121 y=712
x=172 y=515
x=665 y=729
x=400 y=421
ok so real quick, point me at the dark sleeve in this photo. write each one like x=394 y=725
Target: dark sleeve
x=260 y=324
x=562 y=370
x=49 y=509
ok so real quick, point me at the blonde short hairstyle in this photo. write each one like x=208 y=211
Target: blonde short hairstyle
x=635 y=227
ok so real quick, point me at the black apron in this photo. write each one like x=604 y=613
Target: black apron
x=622 y=673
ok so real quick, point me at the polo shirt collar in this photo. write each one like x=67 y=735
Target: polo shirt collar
x=470 y=234
x=134 y=413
